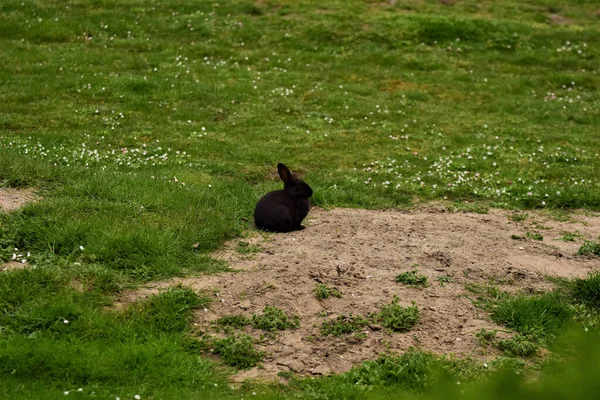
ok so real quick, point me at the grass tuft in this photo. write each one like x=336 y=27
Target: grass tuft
x=542 y=316
x=534 y=236
x=590 y=247
x=238 y=351
x=412 y=278
x=397 y=318
x=323 y=292
x=274 y=319
x=587 y=291
x=169 y=311
x=343 y=324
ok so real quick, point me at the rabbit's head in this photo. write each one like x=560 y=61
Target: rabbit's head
x=292 y=185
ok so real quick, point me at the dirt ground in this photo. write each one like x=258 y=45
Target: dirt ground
x=10 y=200
x=361 y=252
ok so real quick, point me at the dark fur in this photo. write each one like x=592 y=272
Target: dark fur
x=284 y=210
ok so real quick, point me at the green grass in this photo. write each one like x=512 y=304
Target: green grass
x=247 y=248
x=468 y=207
x=443 y=279
x=590 y=247
x=397 y=318
x=518 y=217
x=238 y=351
x=274 y=319
x=234 y=321
x=485 y=336
x=587 y=291
x=542 y=316
x=519 y=346
x=151 y=130
x=343 y=324
x=323 y=292
x=568 y=237
x=412 y=278
x=391 y=316
x=271 y=319
x=534 y=236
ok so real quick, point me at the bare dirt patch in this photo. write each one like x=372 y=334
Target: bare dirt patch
x=558 y=19
x=12 y=265
x=360 y=253
x=12 y=199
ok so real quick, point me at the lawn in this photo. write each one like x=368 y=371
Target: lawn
x=151 y=128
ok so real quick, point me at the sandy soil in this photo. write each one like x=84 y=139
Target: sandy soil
x=361 y=252
x=11 y=199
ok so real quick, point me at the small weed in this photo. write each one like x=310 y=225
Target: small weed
x=485 y=337
x=486 y=295
x=587 y=291
x=517 y=237
x=518 y=217
x=519 y=346
x=568 y=237
x=247 y=248
x=273 y=319
x=238 y=351
x=397 y=318
x=343 y=324
x=285 y=374
x=559 y=215
x=534 y=236
x=323 y=292
x=589 y=247
x=412 y=278
x=443 y=279
x=468 y=208
x=235 y=321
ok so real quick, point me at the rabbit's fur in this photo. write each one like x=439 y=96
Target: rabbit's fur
x=284 y=210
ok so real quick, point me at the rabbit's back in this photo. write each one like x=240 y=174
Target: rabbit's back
x=280 y=212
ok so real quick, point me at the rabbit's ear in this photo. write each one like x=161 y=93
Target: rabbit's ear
x=284 y=173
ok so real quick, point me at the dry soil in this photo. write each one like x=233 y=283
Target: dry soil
x=360 y=253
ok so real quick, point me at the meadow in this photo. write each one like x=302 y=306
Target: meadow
x=151 y=128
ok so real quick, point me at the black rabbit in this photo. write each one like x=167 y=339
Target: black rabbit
x=284 y=210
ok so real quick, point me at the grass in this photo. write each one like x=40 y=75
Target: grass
x=443 y=279
x=271 y=319
x=590 y=247
x=485 y=336
x=534 y=236
x=151 y=129
x=391 y=316
x=587 y=291
x=238 y=351
x=247 y=248
x=542 y=316
x=412 y=278
x=397 y=318
x=274 y=319
x=468 y=207
x=323 y=292
x=518 y=217
x=519 y=346
x=343 y=324
x=568 y=237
